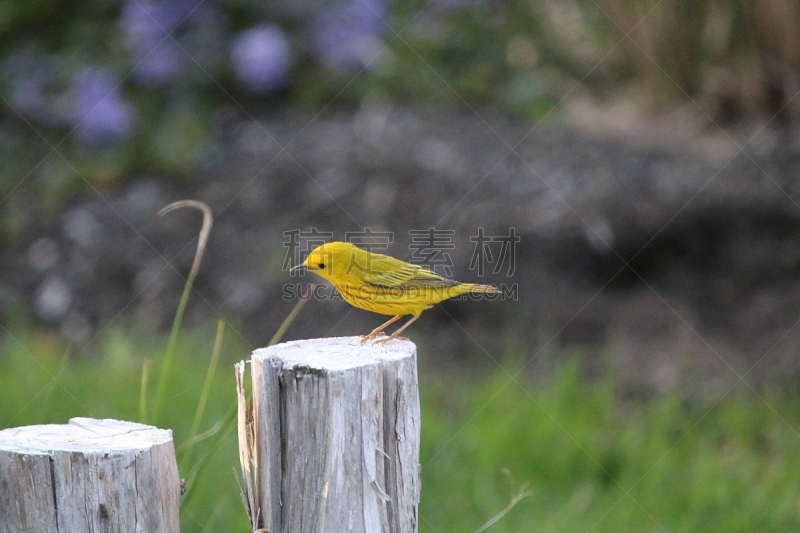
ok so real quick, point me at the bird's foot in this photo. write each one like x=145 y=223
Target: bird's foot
x=389 y=338
x=373 y=335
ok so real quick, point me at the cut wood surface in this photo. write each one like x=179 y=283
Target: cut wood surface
x=88 y=476
x=337 y=431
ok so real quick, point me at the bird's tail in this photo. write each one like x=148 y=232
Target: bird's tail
x=476 y=288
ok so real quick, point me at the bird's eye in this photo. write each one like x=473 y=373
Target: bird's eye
x=321 y=266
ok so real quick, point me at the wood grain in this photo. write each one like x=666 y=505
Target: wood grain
x=89 y=476
x=337 y=436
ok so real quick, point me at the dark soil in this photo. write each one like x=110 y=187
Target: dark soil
x=667 y=268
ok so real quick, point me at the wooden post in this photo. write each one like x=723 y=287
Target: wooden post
x=336 y=431
x=88 y=476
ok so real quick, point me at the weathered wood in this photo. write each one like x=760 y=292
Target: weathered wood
x=337 y=431
x=88 y=476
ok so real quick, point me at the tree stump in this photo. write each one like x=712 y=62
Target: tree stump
x=337 y=431
x=88 y=476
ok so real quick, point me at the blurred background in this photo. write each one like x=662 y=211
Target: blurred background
x=626 y=170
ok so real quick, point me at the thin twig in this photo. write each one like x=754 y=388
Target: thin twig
x=516 y=497
x=169 y=354
x=205 y=231
x=204 y=394
x=143 y=389
x=289 y=319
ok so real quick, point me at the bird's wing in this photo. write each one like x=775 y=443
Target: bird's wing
x=385 y=271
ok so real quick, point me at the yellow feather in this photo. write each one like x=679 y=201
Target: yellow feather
x=383 y=284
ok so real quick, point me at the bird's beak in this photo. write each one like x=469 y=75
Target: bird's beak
x=298 y=268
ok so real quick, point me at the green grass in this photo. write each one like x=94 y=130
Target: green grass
x=40 y=384
x=595 y=465
x=591 y=462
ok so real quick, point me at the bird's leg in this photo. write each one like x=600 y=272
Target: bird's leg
x=398 y=332
x=377 y=332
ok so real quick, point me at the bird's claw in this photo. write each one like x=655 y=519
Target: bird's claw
x=373 y=335
x=390 y=338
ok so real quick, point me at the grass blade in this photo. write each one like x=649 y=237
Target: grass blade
x=288 y=321
x=169 y=354
x=143 y=390
x=203 y=401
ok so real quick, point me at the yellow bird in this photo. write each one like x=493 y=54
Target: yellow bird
x=383 y=284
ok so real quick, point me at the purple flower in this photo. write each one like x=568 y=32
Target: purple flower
x=100 y=114
x=31 y=75
x=146 y=26
x=450 y=5
x=347 y=35
x=260 y=58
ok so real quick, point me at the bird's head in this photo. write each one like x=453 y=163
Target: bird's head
x=331 y=260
